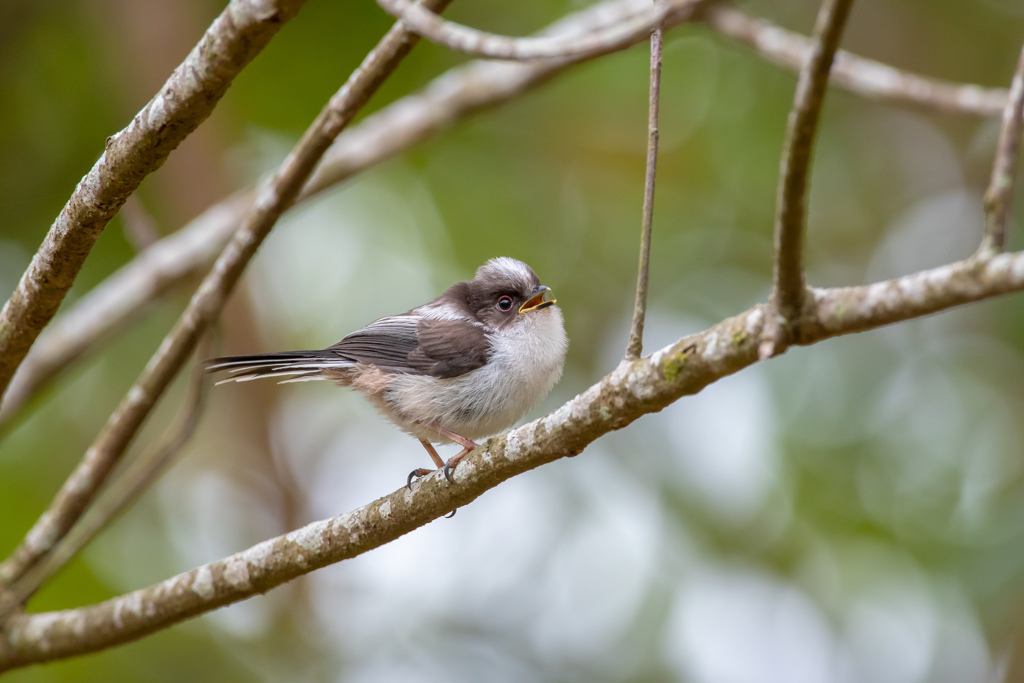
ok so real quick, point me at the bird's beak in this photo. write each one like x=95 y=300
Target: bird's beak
x=542 y=299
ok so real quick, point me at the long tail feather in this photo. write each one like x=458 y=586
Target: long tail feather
x=298 y=366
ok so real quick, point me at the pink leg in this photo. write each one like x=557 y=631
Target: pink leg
x=466 y=444
x=420 y=472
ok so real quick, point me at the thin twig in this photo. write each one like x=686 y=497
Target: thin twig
x=274 y=197
x=184 y=101
x=123 y=489
x=999 y=196
x=630 y=391
x=790 y=212
x=629 y=30
x=453 y=96
x=636 y=334
x=864 y=77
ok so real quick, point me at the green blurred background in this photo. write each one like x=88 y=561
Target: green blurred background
x=849 y=512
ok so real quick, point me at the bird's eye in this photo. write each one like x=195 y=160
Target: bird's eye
x=505 y=304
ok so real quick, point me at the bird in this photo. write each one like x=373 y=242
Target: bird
x=467 y=365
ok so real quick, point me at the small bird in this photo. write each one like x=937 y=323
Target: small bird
x=467 y=365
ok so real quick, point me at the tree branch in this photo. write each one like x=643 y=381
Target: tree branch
x=125 y=487
x=633 y=389
x=273 y=198
x=999 y=196
x=185 y=100
x=629 y=28
x=104 y=310
x=636 y=335
x=864 y=77
x=790 y=218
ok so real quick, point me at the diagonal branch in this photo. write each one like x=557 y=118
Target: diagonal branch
x=122 y=297
x=790 y=218
x=864 y=77
x=999 y=196
x=124 y=488
x=633 y=389
x=627 y=29
x=273 y=198
x=636 y=335
x=453 y=96
x=186 y=99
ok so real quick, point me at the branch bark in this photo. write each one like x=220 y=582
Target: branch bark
x=999 y=196
x=790 y=212
x=633 y=389
x=125 y=487
x=187 y=98
x=276 y=194
x=864 y=77
x=626 y=30
x=636 y=335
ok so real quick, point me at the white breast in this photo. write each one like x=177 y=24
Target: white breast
x=525 y=363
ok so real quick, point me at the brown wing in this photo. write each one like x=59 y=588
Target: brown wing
x=449 y=348
x=415 y=345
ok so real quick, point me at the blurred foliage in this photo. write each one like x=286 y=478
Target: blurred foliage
x=848 y=512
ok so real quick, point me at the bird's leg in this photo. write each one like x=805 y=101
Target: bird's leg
x=420 y=472
x=466 y=444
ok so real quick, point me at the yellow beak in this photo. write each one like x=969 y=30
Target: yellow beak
x=542 y=299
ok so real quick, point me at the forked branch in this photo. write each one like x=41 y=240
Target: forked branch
x=790 y=202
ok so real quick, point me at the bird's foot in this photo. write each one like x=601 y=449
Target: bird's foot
x=453 y=461
x=419 y=472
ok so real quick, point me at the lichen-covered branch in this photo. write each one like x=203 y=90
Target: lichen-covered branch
x=999 y=196
x=863 y=77
x=275 y=195
x=633 y=389
x=448 y=99
x=185 y=100
x=636 y=335
x=794 y=174
x=634 y=24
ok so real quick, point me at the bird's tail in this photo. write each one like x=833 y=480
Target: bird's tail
x=297 y=366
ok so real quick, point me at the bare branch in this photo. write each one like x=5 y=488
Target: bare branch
x=116 y=301
x=273 y=198
x=185 y=100
x=790 y=218
x=633 y=389
x=864 y=77
x=636 y=335
x=453 y=96
x=999 y=196
x=629 y=28
x=121 y=492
